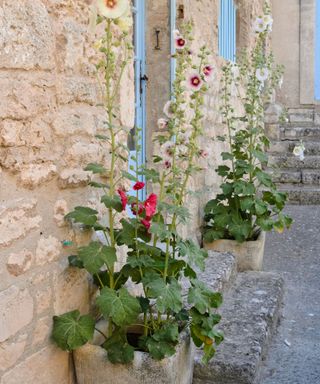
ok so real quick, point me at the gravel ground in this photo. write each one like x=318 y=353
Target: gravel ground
x=294 y=355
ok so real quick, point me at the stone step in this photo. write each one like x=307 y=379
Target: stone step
x=301 y=115
x=301 y=194
x=312 y=147
x=250 y=314
x=307 y=132
x=289 y=176
x=220 y=272
x=293 y=162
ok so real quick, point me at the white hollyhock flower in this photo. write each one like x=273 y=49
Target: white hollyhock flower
x=168 y=109
x=167 y=150
x=268 y=21
x=262 y=74
x=162 y=124
x=259 y=25
x=299 y=151
x=176 y=33
x=113 y=9
x=235 y=71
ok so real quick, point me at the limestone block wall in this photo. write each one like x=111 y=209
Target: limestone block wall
x=48 y=119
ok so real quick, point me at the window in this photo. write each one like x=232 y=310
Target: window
x=227 y=29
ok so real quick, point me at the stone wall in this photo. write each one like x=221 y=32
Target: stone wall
x=48 y=119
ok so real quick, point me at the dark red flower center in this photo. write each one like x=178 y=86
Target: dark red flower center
x=181 y=42
x=195 y=81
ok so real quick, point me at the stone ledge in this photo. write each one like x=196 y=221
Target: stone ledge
x=221 y=269
x=250 y=314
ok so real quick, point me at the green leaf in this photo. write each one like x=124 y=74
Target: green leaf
x=195 y=255
x=95 y=255
x=120 y=305
x=240 y=229
x=227 y=156
x=260 y=207
x=261 y=156
x=202 y=297
x=74 y=261
x=71 y=331
x=84 y=215
x=246 y=203
x=264 y=178
x=163 y=342
x=102 y=279
x=168 y=295
x=118 y=348
x=129 y=176
x=97 y=185
x=223 y=170
x=96 y=168
x=112 y=202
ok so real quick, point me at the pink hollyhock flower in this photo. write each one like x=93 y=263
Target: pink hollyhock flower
x=146 y=223
x=194 y=81
x=208 y=72
x=150 y=206
x=167 y=164
x=180 y=42
x=124 y=198
x=138 y=185
x=113 y=9
x=134 y=209
x=162 y=123
x=204 y=154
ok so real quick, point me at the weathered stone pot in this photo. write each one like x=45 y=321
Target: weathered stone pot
x=249 y=255
x=92 y=366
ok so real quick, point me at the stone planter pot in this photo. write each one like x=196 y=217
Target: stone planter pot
x=249 y=255
x=92 y=366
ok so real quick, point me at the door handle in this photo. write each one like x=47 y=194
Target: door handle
x=144 y=78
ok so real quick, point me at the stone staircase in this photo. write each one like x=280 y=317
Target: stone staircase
x=300 y=179
x=250 y=314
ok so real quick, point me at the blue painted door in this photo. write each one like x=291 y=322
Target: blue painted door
x=317 y=52
x=227 y=29
x=140 y=90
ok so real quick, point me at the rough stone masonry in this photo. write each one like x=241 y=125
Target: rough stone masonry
x=48 y=121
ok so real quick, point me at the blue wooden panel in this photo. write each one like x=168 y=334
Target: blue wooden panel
x=317 y=52
x=227 y=29
x=140 y=87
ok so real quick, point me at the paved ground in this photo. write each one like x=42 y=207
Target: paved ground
x=294 y=356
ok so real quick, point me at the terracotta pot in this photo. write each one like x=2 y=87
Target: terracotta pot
x=92 y=366
x=249 y=255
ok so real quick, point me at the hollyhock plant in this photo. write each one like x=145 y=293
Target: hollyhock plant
x=249 y=202
x=180 y=42
x=157 y=257
x=208 y=72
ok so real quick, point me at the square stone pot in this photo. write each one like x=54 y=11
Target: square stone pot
x=249 y=255
x=92 y=366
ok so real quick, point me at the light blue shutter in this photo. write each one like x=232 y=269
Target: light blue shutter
x=173 y=16
x=227 y=29
x=140 y=88
x=317 y=53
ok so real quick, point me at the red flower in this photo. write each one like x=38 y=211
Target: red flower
x=138 y=185
x=146 y=223
x=150 y=205
x=140 y=208
x=124 y=198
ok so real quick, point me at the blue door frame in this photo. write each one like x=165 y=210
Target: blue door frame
x=227 y=29
x=173 y=17
x=140 y=90
x=317 y=53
